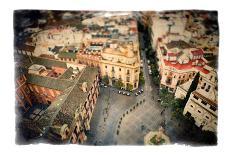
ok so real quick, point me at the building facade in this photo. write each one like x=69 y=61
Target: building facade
x=203 y=108
x=121 y=64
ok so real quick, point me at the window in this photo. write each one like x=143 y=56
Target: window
x=195 y=97
x=128 y=71
x=105 y=66
x=208 y=88
x=199 y=111
x=203 y=102
x=128 y=79
x=174 y=77
x=207 y=117
x=119 y=69
x=191 y=106
x=213 y=108
x=211 y=77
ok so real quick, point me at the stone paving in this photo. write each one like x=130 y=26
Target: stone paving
x=138 y=123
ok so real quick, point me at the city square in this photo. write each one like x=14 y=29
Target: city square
x=116 y=78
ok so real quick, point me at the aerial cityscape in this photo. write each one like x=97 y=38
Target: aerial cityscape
x=116 y=78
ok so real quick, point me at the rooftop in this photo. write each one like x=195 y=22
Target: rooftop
x=49 y=82
x=67 y=74
x=178 y=44
x=186 y=66
x=62 y=110
x=67 y=55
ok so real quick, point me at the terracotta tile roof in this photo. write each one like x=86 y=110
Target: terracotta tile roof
x=186 y=66
x=197 y=52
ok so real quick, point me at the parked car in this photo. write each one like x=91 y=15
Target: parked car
x=105 y=86
x=136 y=94
x=159 y=100
x=119 y=92
x=124 y=93
x=141 y=90
x=128 y=94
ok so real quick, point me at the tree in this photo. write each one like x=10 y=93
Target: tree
x=166 y=97
x=141 y=78
x=192 y=87
x=130 y=87
x=118 y=83
x=156 y=80
x=105 y=79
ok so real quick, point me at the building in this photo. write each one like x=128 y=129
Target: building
x=121 y=62
x=202 y=106
x=44 y=80
x=22 y=92
x=164 y=23
x=25 y=49
x=181 y=90
x=179 y=62
x=207 y=82
x=67 y=118
x=96 y=45
x=202 y=103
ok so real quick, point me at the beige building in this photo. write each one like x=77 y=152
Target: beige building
x=206 y=81
x=121 y=62
x=202 y=106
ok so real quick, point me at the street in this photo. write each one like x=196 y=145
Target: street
x=136 y=120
